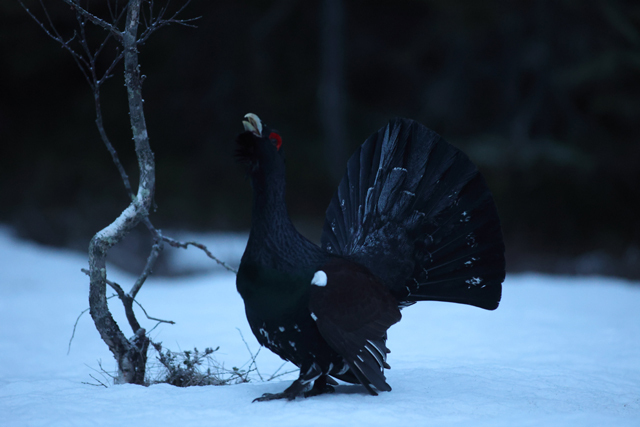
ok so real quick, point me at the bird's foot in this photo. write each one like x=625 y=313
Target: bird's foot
x=317 y=391
x=294 y=390
x=299 y=388
x=275 y=396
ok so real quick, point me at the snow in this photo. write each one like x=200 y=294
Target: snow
x=559 y=351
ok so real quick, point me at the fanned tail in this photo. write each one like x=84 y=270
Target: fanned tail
x=416 y=212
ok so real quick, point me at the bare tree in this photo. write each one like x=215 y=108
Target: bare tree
x=126 y=26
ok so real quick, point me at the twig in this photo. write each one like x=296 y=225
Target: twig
x=113 y=285
x=122 y=295
x=274 y=376
x=253 y=356
x=107 y=142
x=87 y=65
x=154 y=318
x=159 y=21
x=100 y=383
x=154 y=328
x=156 y=249
x=74 y=4
x=102 y=372
x=75 y=325
x=82 y=63
x=254 y=363
x=184 y=245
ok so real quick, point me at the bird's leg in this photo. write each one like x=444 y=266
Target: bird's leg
x=308 y=374
x=294 y=390
x=320 y=386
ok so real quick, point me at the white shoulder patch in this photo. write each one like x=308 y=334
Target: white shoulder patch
x=319 y=279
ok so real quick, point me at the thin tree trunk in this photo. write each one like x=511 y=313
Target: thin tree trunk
x=131 y=355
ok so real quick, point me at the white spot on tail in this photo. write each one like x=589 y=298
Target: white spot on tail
x=314 y=317
x=319 y=279
x=474 y=281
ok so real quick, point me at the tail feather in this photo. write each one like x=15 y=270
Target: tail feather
x=418 y=214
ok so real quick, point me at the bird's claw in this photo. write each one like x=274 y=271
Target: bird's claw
x=315 y=391
x=274 y=396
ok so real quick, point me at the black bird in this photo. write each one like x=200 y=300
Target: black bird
x=412 y=220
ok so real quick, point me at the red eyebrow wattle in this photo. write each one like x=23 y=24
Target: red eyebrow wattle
x=278 y=139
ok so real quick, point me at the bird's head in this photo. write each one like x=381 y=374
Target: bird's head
x=259 y=147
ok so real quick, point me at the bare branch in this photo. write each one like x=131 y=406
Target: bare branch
x=85 y=45
x=159 y=21
x=281 y=374
x=253 y=356
x=124 y=297
x=107 y=142
x=108 y=73
x=171 y=322
x=114 y=285
x=103 y=371
x=74 y=4
x=174 y=19
x=100 y=383
x=163 y=10
x=253 y=365
x=75 y=325
x=80 y=61
x=184 y=245
x=105 y=375
x=144 y=13
x=151 y=260
x=127 y=302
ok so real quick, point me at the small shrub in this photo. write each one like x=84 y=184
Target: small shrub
x=194 y=368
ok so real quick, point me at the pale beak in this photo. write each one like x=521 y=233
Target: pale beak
x=253 y=124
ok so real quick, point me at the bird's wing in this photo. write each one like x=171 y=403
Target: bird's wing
x=416 y=212
x=353 y=311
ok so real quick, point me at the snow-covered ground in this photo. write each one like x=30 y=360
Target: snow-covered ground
x=558 y=352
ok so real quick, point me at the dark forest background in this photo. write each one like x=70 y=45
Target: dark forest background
x=544 y=96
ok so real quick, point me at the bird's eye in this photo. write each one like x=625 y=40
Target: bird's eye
x=277 y=140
